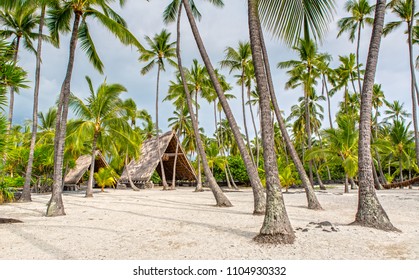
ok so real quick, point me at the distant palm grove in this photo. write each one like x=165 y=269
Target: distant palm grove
x=369 y=144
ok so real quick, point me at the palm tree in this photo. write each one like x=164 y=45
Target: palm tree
x=346 y=73
x=342 y=146
x=100 y=116
x=26 y=194
x=160 y=50
x=378 y=100
x=398 y=142
x=19 y=22
x=276 y=227
x=59 y=21
x=395 y=111
x=360 y=14
x=105 y=177
x=370 y=212
x=239 y=59
x=304 y=72
x=198 y=80
x=405 y=11
x=259 y=203
x=220 y=197
x=310 y=17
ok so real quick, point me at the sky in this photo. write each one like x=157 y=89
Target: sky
x=219 y=29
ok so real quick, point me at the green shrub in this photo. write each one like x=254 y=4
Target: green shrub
x=7 y=194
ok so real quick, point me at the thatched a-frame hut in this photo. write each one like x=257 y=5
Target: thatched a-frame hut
x=142 y=169
x=74 y=177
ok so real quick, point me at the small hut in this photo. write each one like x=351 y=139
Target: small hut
x=75 y=176
x=142 y=169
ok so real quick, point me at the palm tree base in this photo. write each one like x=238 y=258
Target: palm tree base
x=88 y=195
x=23 y=199
x=224 y=203
x=278 y=238
x=55 y=209
x=259 y=213
x=371 y=214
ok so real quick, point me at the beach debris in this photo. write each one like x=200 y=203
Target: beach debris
x=323 y=226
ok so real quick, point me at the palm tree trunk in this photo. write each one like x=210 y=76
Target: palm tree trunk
x=89 y=190
x=131 y=183
x=401 y=170
x=346 y=184
x=198 y=159
x=220 y=197
x=357 y=57
x=258 y=194
x=254 y=127
x=276 y=226
x=55 y=205
x=26 y=193
x=328 y=102
x=12 y=89
x=370 y=212
x=175 y=160
x=308 y=132
x=244 y=119
x=163 y=175
x=312 y=200
x=319 y=179
x=377 y=183
x=413 y=86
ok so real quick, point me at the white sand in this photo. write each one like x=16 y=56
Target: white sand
x=181 y=224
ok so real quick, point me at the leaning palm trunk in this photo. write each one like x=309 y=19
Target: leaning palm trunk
x=198 y=187
x=89 y=190
x=276 y=226
x=312 y=201
x=26 y=193
x=245 y=120
x=131 y=183
x=163 y=176
x=55 y=205
x=220 y=198
x=370 y=212
x=258 y=194
x=413 y=85
x=175 y=160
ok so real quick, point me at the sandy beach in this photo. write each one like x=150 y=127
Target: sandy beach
x=184 y=225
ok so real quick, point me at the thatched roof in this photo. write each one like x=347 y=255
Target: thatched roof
x=82 y=165
x=142 y=169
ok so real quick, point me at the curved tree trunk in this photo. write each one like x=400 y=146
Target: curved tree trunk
x=198 y=187
x=163 y=175
x=370 y=212
x=276 y=226
x=413 y=85
x=244 y=119
x=312 y=200
x=220 y=197
x=131 y=183
x=258 y=194
x=175 y=160
x=26 y=193
x=89 y=190
x=55 y=205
